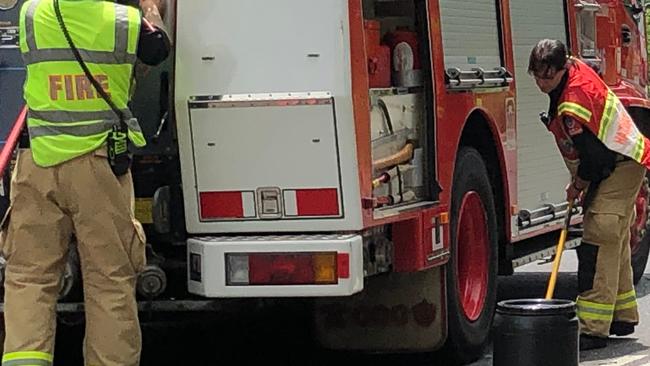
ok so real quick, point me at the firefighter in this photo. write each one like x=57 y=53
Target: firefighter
x=607 y=157
x=64 y=183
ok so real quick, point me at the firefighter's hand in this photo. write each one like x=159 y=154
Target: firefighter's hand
x=153 y=8
x=574 y=191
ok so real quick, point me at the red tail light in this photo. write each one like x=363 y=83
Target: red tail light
x=294 y=269
x=286 y=268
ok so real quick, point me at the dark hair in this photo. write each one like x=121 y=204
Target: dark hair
x=547 y=56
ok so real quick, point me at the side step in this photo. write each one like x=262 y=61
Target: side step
x=539 y=248
x=545 y=253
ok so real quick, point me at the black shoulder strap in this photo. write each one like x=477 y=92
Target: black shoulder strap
x=84 y=67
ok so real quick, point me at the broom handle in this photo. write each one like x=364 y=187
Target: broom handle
x=558 y=254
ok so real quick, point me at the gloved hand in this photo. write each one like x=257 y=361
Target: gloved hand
x=159 y=6
x=575 y=189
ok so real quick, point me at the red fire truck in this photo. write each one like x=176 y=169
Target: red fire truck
x=382 y=160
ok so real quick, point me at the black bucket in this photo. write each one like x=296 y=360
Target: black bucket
x=536 y=332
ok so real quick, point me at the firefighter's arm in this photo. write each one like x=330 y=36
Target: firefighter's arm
x=596 y=161
x=154 y=45
x=576 y=93
x=154 y=12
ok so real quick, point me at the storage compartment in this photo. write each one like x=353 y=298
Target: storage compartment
x=470 y=34
x=400 y=138
x=287 y=169
x=541 y=173
x=265 y=120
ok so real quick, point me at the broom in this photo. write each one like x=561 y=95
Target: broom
x=558 y=254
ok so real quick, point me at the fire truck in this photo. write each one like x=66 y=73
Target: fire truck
x=380 y=160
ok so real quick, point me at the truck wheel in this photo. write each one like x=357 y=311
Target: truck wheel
x=639 y=234
x=471 y=273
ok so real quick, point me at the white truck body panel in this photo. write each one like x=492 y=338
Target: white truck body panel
x=286 y=147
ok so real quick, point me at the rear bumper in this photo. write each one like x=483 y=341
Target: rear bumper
x=207 y=265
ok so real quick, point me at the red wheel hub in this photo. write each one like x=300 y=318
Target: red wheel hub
x=472 y=252
x=640 y=225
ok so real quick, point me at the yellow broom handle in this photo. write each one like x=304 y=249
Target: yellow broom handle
x=558 y=254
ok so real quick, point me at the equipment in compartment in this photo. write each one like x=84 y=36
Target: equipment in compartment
x=396 y=117
x=395 y=59
x=397 y=108
x=403 y=44
x=394 y=23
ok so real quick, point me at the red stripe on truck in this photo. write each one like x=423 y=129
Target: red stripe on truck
x=317 y=202
x=216 y=205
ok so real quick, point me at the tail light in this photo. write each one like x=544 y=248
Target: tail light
x=318 y=268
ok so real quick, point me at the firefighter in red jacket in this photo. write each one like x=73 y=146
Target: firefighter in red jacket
x=607 y=157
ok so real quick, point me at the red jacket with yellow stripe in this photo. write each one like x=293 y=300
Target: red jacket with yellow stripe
x=587 y=99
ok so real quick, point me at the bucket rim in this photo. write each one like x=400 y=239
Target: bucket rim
x=534 y=306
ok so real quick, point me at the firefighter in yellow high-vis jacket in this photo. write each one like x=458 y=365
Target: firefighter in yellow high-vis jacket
x=79 y=57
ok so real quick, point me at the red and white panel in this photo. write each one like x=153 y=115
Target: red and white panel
x=312 y=202
x=227 y=205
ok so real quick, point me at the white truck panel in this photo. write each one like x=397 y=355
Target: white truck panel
x=470 y=34
x=542 y=174
x=286 y=147
x=306 y=49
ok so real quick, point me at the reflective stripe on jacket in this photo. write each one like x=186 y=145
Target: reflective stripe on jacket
x=587 y=99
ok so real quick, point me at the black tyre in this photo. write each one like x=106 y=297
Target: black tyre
x=471 y=273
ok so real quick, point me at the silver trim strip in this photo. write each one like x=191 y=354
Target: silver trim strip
x=261 y=100
x=444 y=254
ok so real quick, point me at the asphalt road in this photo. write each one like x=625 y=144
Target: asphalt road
x=277 y=335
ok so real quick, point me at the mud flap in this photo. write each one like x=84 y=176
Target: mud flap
x=396 y=312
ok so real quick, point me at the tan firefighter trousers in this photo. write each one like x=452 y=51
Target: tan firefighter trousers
x=605 y=271
x=48 y=205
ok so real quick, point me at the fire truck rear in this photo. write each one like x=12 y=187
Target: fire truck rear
x=381 y=159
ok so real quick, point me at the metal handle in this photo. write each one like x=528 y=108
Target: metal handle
x=162 y=124
x=163 y=103
x=478 y=78
x=550 y=212
x=587 y=6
